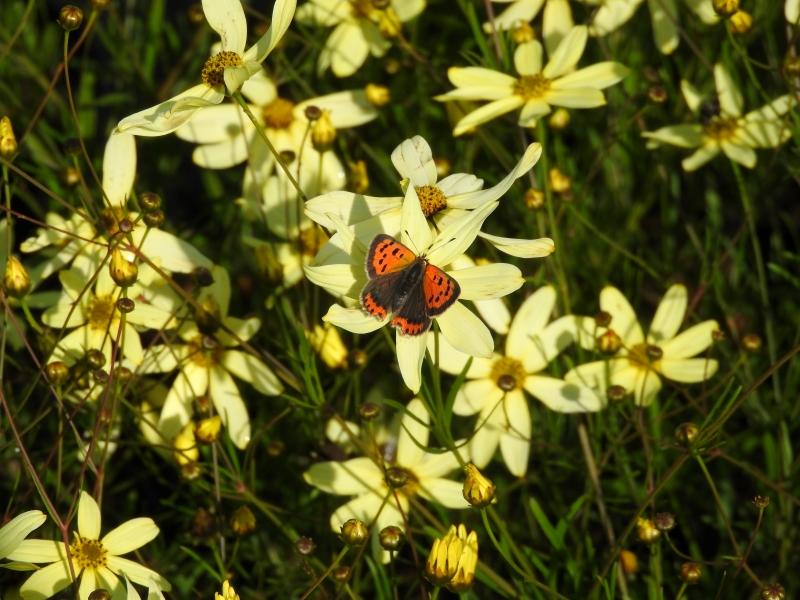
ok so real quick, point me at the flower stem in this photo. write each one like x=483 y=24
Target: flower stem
x=260 y=128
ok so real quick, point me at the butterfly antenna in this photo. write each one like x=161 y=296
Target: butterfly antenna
x=411 y=242
x=444 y=243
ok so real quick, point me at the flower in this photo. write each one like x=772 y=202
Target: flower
x=384 y=486
x=557 y=19
x=96 y=561
x=443 y=202
x=96 y=316
x=722 y=126
x=453 y=559
x=496 y=384
x=537 y=88
x=339 y=268
x=17 y=529
x=228 y=593
x=206 y=360
x=223 y=72
x=641 y=362
x=361 y=27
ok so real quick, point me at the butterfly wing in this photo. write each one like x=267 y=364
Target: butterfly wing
x=377 y=295
x=386 y=255
x=439 y=290
x=412 y=317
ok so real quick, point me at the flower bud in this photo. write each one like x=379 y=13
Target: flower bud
x=70 y=17
x=602 y=319
x=243 y=521
x=616 y=393
x=453 y=559
x=154 y=218
x=95 y=359
x=328 y=344
x=57 y=372
x=628 y=562
x=691 y=572
x=185 y=451
x=534 y=199
x=228 y=593
x=125 y=305
x=657 y=94
x=391 y=537
x=609 y=342
x=559 y=119
x=100 y=594
x=358 y=178
x=478 y=490
x=369 y=411
x=312 y=112
x=397 y=477
x=741 y=22
x=305 y=545
x=149 y=201
x=71 y=176
x=686 y=433
x=646 y=530
x=341 y=574
x=123 y=272
x=354 y=532
x=773 y=591
x=207 y=430
x=377 y=95
x=725 y=8
x=760 y=502
x=523 y=33
x=323 y=133
x=752 y=342
x=559 y=181
x=8 y=141
x=275 y=448
x=16 y=280
x=664 y=521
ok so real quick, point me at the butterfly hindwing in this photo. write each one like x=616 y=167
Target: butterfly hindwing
x=439 y=290
x=412 y=317
x=386 y=255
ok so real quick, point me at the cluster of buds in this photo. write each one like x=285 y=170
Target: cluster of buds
x=453 y=559
x=647 y=531
x=740 y=21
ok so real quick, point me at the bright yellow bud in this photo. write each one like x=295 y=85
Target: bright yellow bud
x=16 y=280
x=186 y=452
x=478 y=490
x=377 y=95
x=323 y=133
x=207 y=430
x=453 y=559
x=559 y=181
x=8 y=141
x=559 y=119
x=741 y=22
x=123 y=272
x=725 y=8
x=647 y=531
x=228 y=593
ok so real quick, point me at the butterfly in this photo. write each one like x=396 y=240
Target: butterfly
x=405 y=285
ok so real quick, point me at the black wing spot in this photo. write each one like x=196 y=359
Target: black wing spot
x=383 y=268
x=395 y=251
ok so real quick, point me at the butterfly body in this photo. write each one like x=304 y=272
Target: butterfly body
x=406 y=286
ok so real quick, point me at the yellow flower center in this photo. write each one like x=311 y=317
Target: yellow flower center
x=213 y=73
x=88 y=554
x=278 y=114
x=431 y=199
x=100 y=311
x=402 y=480
x=508 y=373
x=531 y=87
x=205 y=351
x=721 y=128
x=644 y=356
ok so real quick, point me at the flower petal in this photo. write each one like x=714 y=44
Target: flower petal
x=16 y=530
x=354 y=476
x=169 y=115
x=556 y=23
x=414 y=434
x=487 y=112
x=349 y=207
x=413 y=159
x=488 y=427
x=251 y=369
x=46 y=582
x=518 y=12
x=730 y=98
x=689 y=135
x=646 y=387
x=690 y=342
x=739 y=153
x=282 y=13
x=700 y=157
x=130 y=535
x=230 y=406
x=664 y=16
x=669 y=315
x=137 y=573
x=38 y=551
x=119 y=167
x=483 y=282
x=436 y=465
x=414 y=229
x=535 y=248
x=410 y=352
x=563 y=396
x=539 y=349
x=446 y=492
x=88 y=517
x=623 y=319
x=353 y=319
x=688 y=370
x=568 y=53
x=346 y=49
x=454 y=239
x=530 y=319
x=528 y=58
x=476 y=77
x=226 y=17
x=478 y=395
x=575 y=97
x=598 y=76
x=465 y=331
x=515 y=442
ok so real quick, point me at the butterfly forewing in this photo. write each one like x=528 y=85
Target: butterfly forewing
x=377 y=295
x=439 y=290
x=386 y=255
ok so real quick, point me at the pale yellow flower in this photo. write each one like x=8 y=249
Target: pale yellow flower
x=721 y=126
x=556 y=21
x=538 y=87
x=17 y=529
x=361 y=28
x=642 y=361
x=96 y=561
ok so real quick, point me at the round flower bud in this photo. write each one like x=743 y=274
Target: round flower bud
x=149 y=201
x=773 y=591
x=559 y=119
x=602 y=319
x=100 y=594
x=125 y=305
x=123 y=272
x=122 y=375
x=275 y=448
x=8 y=141
x=691 y=572
x=70 y=17
x=377 y=95
x=725 y=8
x=391 y=537
x=16 y=280
x=534 y=199
x=396 y=477
x=100 y=376
x=609 y=342
x=341 y=574
x=305 y=545
x=354 y=532
x=243 y=521
x=657 y=94
x=646 y=530
x=323 y=133
x=628 y=562
x=154 y=218
x=686 y=433
x=523 y=33
x=478 y=490
x=616 y=393
x=312 y=112
x=559 y=181
x=95 y=359
x=752 y=342
x=357 y=359
x=760 y=502
x=369 y=411
x=207 y=430
x=664 y=521
x=71 y=176
x=741 y=22
x=57 y=372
